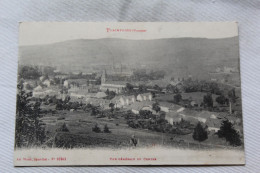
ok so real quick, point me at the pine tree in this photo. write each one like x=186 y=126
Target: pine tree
x=200 y=134
x=228 y=132
x=208 y=101
x=106 y=129
x=28 y=131
x=63 y=128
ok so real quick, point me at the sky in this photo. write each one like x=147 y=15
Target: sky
x=37 y=33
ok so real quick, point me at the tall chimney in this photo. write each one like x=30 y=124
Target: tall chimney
x=230 y=107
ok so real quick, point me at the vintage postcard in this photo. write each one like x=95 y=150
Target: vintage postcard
x=128 y=94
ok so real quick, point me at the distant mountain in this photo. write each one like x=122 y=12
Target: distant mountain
x=192 y=53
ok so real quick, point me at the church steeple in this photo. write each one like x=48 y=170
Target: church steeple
x=103 y=77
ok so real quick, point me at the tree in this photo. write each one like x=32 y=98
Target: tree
x=64 y=90
x=156 y=107
x=155 y=75
x=87 y=107
x=232 y=95
x=75 y=105
x=107 y=92
x=208 y=101
x=142 y=88
x=28 y=87
x=28 y=130
x=67 y=99
x=111 y=105
x=170 y=88
x=94 y=111
x=153 y=94
x=29 y=72
x=221 y=100
x=228 y=132
x=162 y=115
x=129 y=88
x=59 y=105
x=200 y=134
x=47 y=70
x=106 y=129
x=134 y=140
x=63 y=128
x=156 y=87
x=145 y=114
x=96 y=129
x=215 y=89
x=110 y=94
x=177 y=98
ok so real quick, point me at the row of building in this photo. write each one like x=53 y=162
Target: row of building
x=173 y=113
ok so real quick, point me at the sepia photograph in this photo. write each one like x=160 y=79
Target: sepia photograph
x=128 y=94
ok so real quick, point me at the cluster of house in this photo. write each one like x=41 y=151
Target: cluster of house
x=42 y=91
x=213 y=120
x=120 y=101
x=83 y=90
x=95 y=95
x=175 y=113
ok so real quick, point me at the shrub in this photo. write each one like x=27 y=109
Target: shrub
x=63 y=128
x=177 y=98
x=96 y=129
x=221 y=100
x=106 y=129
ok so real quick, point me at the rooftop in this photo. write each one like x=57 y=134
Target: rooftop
x=139 y=105
x=115 y=83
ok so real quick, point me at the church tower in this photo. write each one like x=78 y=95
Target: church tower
x=103 y=77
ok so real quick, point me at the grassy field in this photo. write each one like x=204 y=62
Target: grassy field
x=195 y=96
x=198 y=97
x=80 y=133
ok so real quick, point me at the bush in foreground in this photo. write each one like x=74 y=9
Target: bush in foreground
x=63 y=128
x=96 y=129
x=106 y=129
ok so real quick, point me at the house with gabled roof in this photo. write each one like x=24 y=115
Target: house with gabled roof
x=173 y=117
x=144 y=97
x=47 y=82
x=101 y=95
x=213 y=124
x=145 y=105
x=169 y=107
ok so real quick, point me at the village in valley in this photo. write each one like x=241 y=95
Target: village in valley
x=128 y=105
